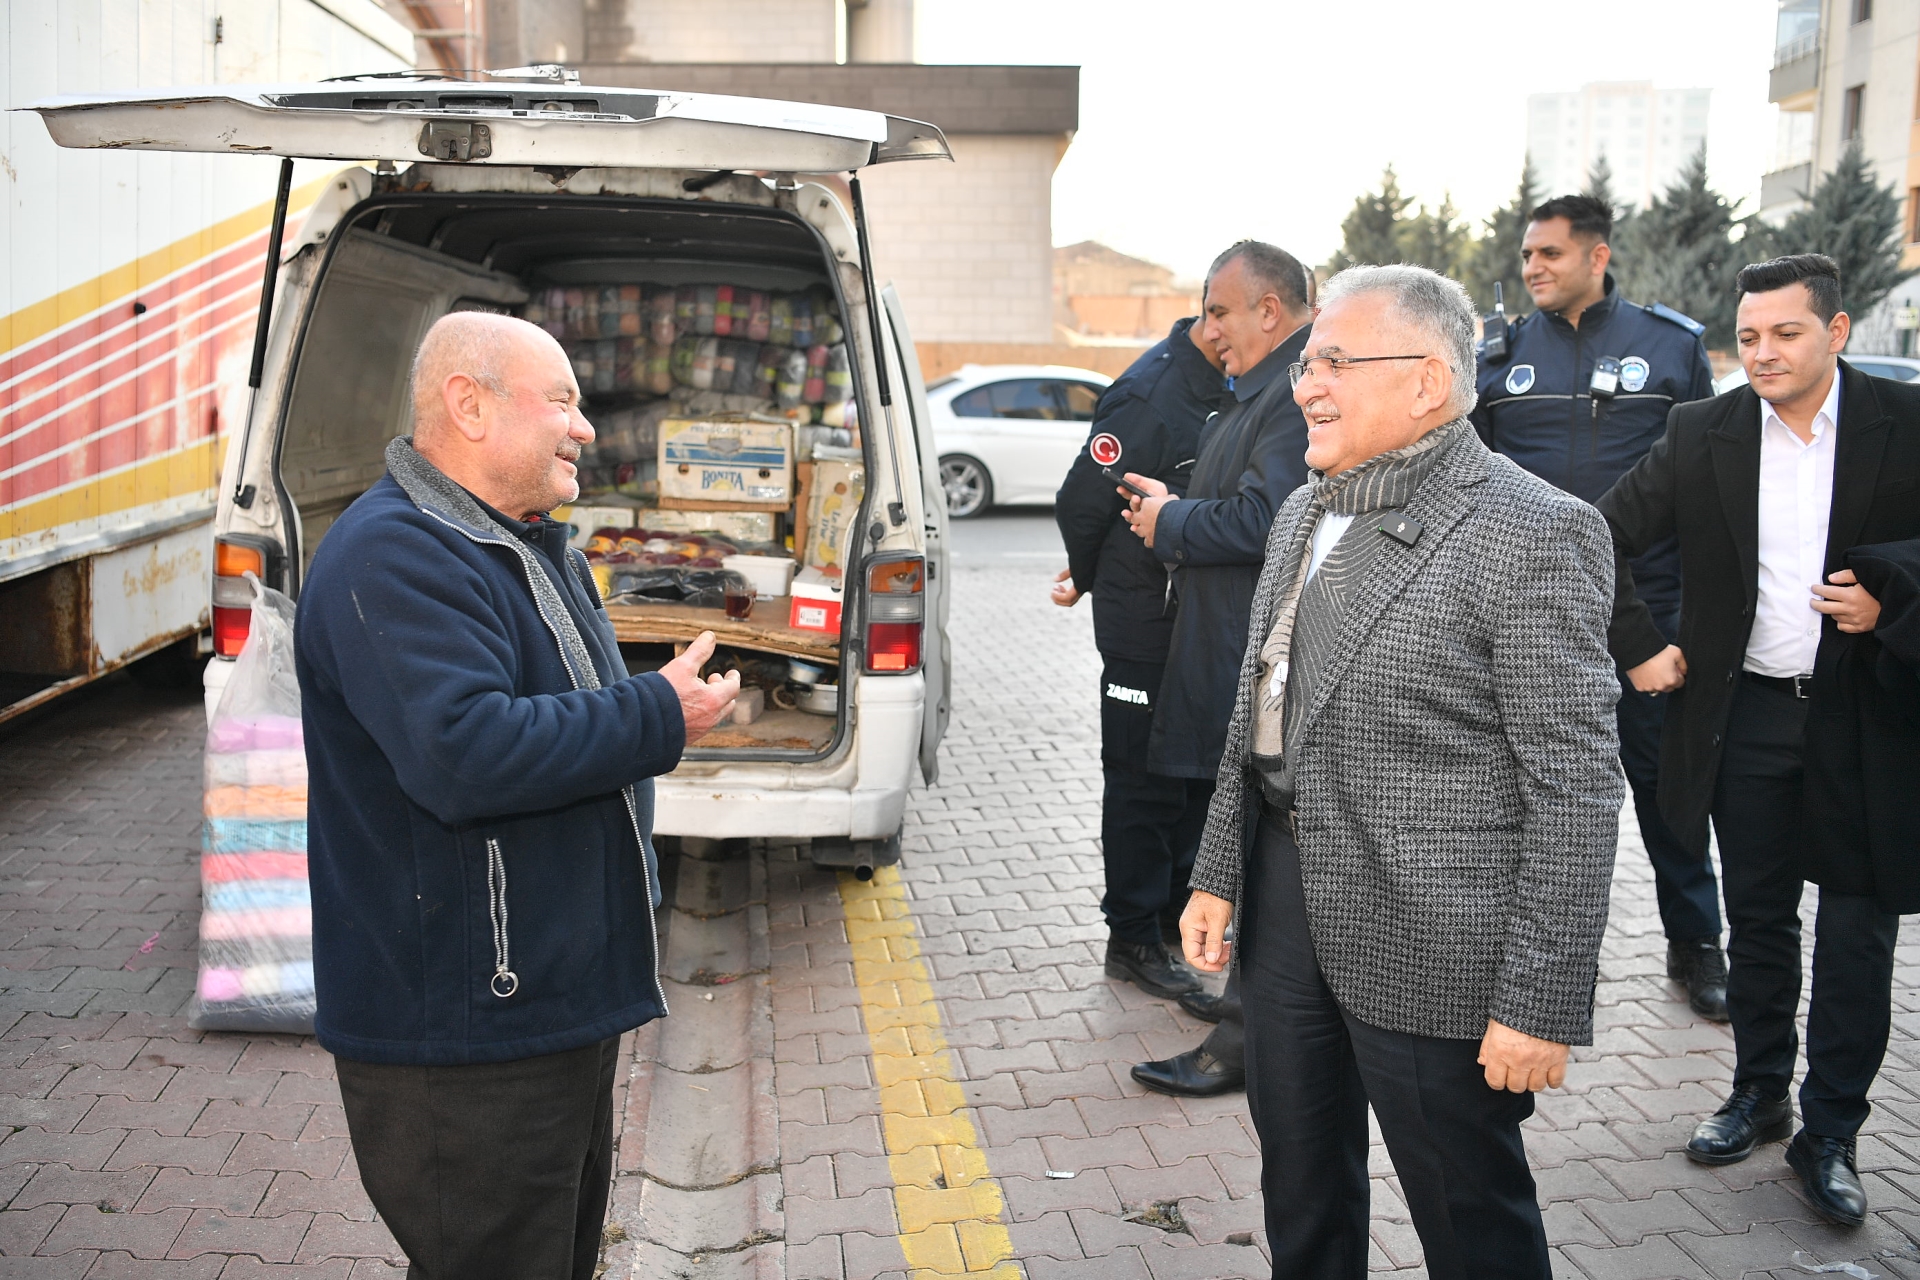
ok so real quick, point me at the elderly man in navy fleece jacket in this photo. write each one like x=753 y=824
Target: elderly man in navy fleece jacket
x=480 y=815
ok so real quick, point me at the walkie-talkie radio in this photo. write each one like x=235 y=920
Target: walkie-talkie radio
x=1493 y=336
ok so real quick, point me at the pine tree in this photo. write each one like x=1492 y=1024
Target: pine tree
x=1496 y=254
x=1600 y=185
x=1680 y=250
x=1437 y=239
x=1370 y=233
x=1853 y=220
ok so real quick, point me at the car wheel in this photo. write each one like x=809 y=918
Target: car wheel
x=969 y=487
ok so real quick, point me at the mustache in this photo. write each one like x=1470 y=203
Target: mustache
x=568 y=451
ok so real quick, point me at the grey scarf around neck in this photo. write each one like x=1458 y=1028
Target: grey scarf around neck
x=435 y=493
x=1307 y=620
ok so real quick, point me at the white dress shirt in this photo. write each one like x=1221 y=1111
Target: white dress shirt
x=1331 y=529
x=1796 y=502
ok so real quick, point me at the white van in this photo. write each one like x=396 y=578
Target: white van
x=517 y=196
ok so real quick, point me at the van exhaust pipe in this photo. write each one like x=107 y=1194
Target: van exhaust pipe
x=862 y=857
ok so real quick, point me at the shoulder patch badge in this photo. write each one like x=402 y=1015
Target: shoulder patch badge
x=1520 y=379
x=1104 y=449
x=1634 y=373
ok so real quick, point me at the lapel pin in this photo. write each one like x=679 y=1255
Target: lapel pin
x=1402 y=528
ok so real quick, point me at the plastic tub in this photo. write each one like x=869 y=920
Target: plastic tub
x=771 y=576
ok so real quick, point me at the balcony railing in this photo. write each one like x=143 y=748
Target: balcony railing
x=1794 y=50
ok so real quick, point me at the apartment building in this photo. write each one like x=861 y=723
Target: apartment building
x=1844 y=70
x=1645 y=134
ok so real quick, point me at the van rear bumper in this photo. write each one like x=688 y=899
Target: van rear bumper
x=861 y=795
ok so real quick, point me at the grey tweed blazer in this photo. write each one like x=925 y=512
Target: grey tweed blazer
x=1457 y=773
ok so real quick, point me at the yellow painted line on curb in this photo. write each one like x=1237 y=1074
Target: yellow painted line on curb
x=951 y=1210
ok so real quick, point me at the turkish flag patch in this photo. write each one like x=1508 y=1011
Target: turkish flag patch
x=1104 y=449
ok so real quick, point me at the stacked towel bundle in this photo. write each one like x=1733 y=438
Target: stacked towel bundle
x=256 y=921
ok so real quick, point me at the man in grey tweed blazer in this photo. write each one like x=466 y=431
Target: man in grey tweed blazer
x=1416 y=816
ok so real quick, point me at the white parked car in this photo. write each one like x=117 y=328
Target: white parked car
x=1899 y=368
x=1008 y=432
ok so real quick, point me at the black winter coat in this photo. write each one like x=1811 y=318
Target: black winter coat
x=1702 y=482
x=1863 y=738
x=1251 y=457
x=1153 y=412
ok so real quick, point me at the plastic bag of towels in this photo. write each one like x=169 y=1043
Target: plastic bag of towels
x=256 y=919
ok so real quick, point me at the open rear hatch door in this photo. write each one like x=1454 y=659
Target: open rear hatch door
x=407 y=120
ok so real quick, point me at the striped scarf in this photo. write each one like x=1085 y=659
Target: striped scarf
x=1291 y=657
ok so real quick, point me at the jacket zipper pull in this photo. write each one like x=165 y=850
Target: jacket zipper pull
x=505 y=982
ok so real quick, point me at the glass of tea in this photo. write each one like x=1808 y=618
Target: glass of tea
x=739 y=596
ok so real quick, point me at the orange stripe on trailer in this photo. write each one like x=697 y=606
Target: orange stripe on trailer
x=81 y=301
x=191 y=469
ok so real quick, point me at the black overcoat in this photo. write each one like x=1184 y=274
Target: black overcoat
x=1702 y=482
x=1252 y=455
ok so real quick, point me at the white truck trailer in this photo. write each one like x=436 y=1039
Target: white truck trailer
x=129 y=293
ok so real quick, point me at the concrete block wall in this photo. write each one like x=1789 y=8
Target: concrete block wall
x=712 y=31
x=970 y=244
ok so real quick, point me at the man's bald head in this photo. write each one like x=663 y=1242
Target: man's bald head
x=480 y=345
x=497 y=408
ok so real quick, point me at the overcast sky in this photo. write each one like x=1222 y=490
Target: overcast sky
x=1206 y=121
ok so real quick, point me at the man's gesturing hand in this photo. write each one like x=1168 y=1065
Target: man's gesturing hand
x=1203 y=931
x=1064 y=593
x=701 y=705
x=1664 y=672
x=1520 y=1063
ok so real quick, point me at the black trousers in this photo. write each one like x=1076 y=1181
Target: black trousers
x=498 y=1171
x=1683 y=882
x=1227 y=1042
x=1756 y=816
x=1150 y=824
x=1312 y=1070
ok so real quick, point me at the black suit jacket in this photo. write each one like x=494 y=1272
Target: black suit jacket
x=1702 y=482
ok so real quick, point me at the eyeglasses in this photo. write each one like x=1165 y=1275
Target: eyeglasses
x=1334 y=366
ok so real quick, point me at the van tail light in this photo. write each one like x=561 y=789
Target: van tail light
x=235 y=556
x=896 y=615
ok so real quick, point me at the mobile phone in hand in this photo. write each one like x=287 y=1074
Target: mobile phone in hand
x=1124 y=483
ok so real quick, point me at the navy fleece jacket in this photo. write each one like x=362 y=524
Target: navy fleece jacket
x=480 y=799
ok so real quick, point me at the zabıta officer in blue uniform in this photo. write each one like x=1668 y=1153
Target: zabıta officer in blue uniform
x=1148 y=422
x=1577 y=393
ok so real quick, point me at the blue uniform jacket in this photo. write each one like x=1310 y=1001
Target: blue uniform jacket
x=480 y=791
x=1535 y=407
x=1154 y=412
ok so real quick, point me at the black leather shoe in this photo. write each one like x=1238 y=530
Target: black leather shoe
x=1825 y=1166
x=1701 y=966
x=1194 y=1074
x=1205 y=1007
x=1149 y=968
x=1729 y=1135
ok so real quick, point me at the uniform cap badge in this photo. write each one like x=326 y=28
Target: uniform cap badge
x=1520 y=379
x=1634 y=372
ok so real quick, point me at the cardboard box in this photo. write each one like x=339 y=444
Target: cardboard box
x=585 y=519
x=727 y=463
x=832 y=508
x=734 y=526
x=816 y=602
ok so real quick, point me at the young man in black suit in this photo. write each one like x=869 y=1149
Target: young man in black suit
x=1769 y=488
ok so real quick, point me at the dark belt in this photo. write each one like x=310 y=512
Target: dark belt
x=1288 y=818
x=1800 y=687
